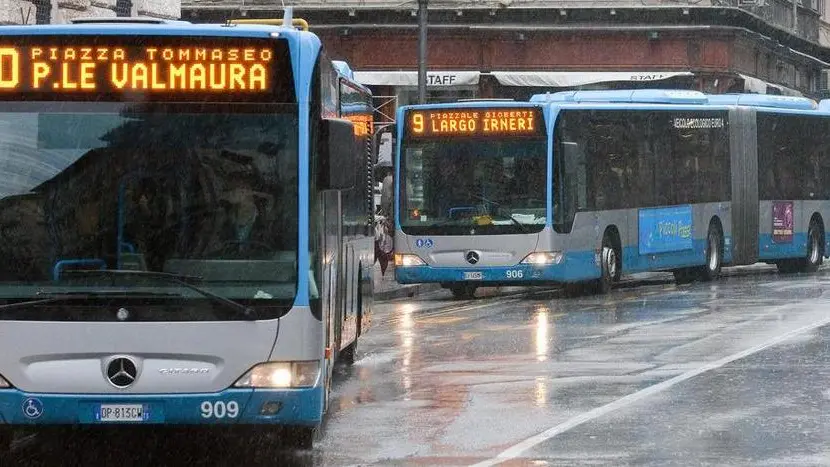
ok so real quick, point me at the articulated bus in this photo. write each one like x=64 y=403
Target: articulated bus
x=579 y=187
x=183 y=225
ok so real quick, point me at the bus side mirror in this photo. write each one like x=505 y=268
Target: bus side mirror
x=338 y=155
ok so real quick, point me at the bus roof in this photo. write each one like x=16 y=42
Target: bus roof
x=472 y=105
x=626 y=96
x=682 y=97
x=145 y=26
x=764 y=100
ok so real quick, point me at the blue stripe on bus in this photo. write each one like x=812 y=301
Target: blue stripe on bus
x=633 y=261
x=298 y=407
x=768 y=249
x=577 y=266
x=304 y=51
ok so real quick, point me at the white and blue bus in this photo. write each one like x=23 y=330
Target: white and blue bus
x=579 y=187
x=184 y=225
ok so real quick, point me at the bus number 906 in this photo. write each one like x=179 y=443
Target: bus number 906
x=515 y=274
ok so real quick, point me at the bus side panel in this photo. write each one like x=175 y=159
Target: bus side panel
x=358 y=264
x=743 y=147
x=784 y=246
x=702 y=216
x=332 y=277
x=582 y=244
x=822 y=208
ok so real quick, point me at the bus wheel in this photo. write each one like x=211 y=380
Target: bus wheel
x=300 y=437
x=787 y=266
x=463 y=291
x=714 y=255
x=6 y=437
x=348 y=355
x=610 y=267
x=684 y=276
x=814 y=256
x=573 y=289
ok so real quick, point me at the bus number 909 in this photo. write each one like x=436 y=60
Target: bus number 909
x=220 y=409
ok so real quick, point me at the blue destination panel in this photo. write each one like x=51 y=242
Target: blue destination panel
x=665 y=229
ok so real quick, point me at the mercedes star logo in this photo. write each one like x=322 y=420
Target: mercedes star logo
x=471 y=257
x=121 y=372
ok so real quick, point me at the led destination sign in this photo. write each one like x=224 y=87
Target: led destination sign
x=476 y=122
x=59 y=68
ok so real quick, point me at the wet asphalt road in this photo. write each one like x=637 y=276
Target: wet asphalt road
x=734 y=372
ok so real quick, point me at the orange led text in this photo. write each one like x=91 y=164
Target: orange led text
x=164 y=69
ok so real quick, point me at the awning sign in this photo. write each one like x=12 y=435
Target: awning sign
x=565 y=79
x=410 y=78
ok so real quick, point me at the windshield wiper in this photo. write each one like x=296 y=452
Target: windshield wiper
x=178 y=279
x=25 y=303
x=521 y=226
x=51 y=297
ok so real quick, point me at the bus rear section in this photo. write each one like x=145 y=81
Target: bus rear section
x=149 y=231
x=472 y=198
x=643 y=188
x=680 y=181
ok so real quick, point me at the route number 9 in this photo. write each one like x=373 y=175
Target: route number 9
x=515 y=274
x=418 y=122
x=220 y=409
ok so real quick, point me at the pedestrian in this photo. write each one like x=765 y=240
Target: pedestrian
x=384 y=234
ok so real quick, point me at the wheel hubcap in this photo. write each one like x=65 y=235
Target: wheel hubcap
x=611 y=262
x=814 y=249
x=713 y=254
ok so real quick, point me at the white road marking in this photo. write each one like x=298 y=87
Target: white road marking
x=516 y=450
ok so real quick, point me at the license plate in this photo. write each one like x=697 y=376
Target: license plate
x=473 y=276
x=121 y=413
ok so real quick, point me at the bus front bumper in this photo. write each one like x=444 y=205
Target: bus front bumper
x=571 y=269
x=232 y=406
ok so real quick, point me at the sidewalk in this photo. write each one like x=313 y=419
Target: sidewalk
x=386 y=288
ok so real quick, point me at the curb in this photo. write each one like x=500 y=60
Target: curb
x=404 y=291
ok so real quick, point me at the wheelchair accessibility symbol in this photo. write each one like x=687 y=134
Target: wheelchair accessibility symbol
x=32 y=408
x=424 y=243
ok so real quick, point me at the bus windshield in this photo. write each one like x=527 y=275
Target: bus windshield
x=198 y=191
x=495 y=186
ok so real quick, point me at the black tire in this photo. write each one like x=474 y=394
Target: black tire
x=684 y=276
x=6 y=437
x=787 y=266
x=300 y=437
x=714 y=255
x=348 y=355
x=814 y=257
x=609 y=265
x=573 y=289
x=463 y=292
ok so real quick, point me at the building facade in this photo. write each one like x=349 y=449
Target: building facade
x=515 y=48
x=63 y=11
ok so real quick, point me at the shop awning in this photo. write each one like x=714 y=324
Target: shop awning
x=410 y=78
x=566 y=79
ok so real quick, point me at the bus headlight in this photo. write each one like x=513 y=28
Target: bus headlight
x=4 y=383
x=541 y=258
x=281 y=375
x=405 y=260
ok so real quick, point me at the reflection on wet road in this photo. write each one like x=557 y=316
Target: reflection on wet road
x=728 y=373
